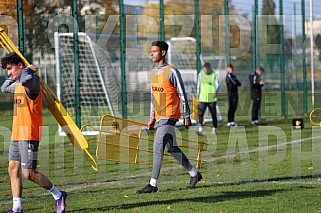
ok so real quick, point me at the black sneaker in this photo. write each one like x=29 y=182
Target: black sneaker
x=147 y=189
x=195 y=180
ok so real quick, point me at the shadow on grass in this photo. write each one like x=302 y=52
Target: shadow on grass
x=276 y=179
x=294 y=179
x=224 y=196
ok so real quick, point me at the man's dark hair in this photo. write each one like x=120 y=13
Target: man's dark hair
x=11 y=58
x=207 y=65
x=261 y=68
x=161 y=44
x=230 y=66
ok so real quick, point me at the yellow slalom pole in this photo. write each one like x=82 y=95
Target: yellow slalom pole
x=199 y=155
x=195 y=108
x=56 y=108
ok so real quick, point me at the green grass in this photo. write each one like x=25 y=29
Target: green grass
x=138 y=107
x=240 y=174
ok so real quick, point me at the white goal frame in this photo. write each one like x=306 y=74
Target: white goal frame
x=84 y=37
x=169 y=54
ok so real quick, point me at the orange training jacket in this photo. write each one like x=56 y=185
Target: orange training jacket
x=27 y=117
x=166 y=99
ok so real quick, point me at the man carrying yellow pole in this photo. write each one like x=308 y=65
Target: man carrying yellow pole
x=26 y=130
x=56 y=108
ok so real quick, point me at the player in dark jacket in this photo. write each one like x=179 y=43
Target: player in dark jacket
x=256 y=84
x=232 y=83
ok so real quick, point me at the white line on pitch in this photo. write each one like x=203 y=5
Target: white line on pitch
x=103 y=183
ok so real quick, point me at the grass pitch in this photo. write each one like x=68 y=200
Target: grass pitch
x=247 y=169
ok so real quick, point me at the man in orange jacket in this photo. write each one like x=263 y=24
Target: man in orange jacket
x=26 y=130
x=167 y=94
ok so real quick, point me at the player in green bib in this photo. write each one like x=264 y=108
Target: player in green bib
x=207 y=88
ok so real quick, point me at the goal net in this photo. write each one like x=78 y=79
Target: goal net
x=182 y=54
x=99 y=81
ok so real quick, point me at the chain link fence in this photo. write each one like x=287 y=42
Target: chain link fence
x=254 y=37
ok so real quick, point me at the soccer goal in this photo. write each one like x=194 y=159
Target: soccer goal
x=99 y=81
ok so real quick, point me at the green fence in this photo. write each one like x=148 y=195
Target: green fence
x=272 y=33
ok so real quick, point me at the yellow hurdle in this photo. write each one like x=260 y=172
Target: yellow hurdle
x=123 y=140
x=54 y=105
x=313 y=112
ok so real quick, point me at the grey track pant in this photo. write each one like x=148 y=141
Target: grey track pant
x=165 y=137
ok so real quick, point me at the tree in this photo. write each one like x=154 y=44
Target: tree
x=176 y=8
x=42 y=11
x=273 y=33
x=268 y=8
